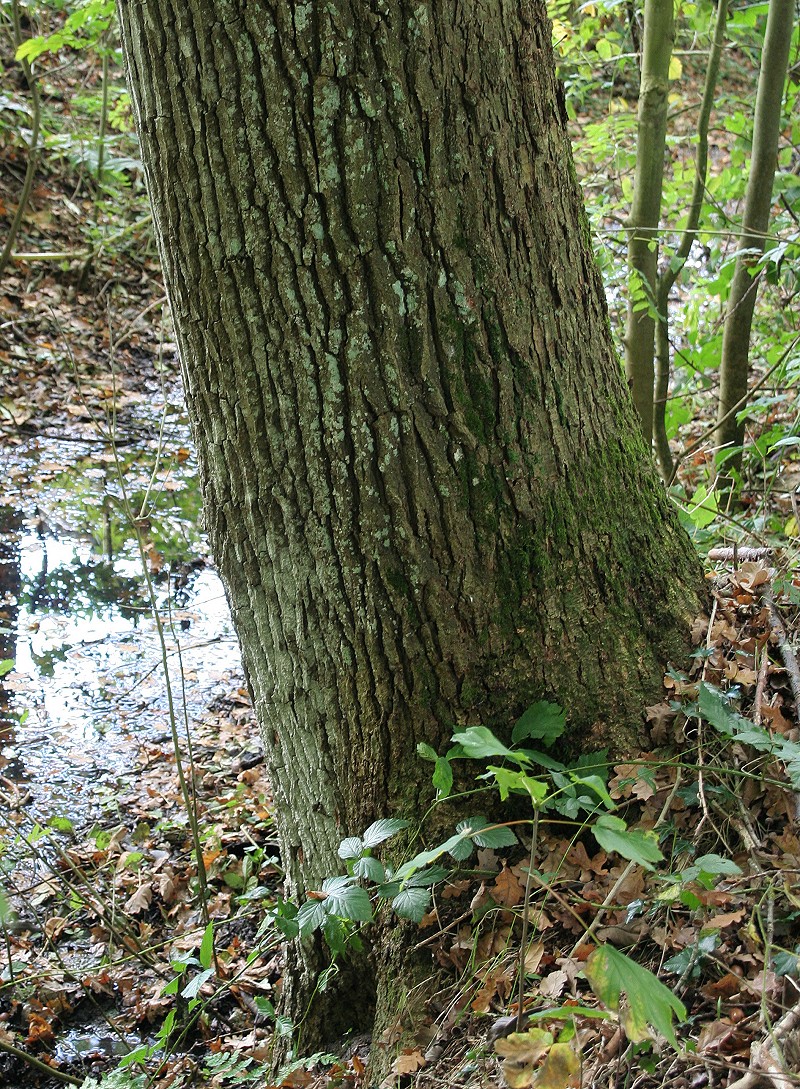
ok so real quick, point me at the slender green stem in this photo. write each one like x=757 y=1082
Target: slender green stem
x=526 y=903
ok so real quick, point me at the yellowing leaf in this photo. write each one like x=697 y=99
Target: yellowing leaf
x=524 y=1047
x=559 y=1069
x=675 y=67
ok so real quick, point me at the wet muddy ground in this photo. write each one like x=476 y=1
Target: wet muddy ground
x=88 y=686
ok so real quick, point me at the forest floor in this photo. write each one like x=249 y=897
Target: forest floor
x=105 y=954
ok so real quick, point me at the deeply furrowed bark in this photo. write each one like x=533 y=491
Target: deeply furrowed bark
x=424 y=482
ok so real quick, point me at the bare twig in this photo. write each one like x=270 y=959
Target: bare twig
x=31 y=1060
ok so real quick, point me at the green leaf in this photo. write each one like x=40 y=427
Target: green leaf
x=462 y=850
x=494 y=837
x=431 y=875
x=610 y=972
x=310 y=917
x=443 y=776
x=369 y=868
x=206 y=954
x=542 y=721
x=709 y=866
x=426 y=752
x=425 y=857
x=412 y=902
x=595 y=783
x=352 y=847
x=383 y=830
x=613 y=834
x=519 y=782
x=346 y=900
x=702 y=509
x=6 y=665
x=479 y=742
x=192 y=988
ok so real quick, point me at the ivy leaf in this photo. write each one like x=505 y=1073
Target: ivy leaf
x=649 y=1002
x=542 y=721
x=613 y=834
x=346 y=900
x=412 y=902
x=709 y=866
x=383 y=830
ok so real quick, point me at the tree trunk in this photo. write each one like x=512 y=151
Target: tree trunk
x=666 y=280
x=646 y=207
x=734 y=366
x=424 y=481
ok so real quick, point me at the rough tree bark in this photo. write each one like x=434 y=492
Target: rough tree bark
x=425 y=484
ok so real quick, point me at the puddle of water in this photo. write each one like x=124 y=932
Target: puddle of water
x=88 y=687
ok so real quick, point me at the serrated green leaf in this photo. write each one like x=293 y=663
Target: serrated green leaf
x=479 y=742
x=484 y=835
x=543 y=721
x=614 y=835
x=495 y=837
x=310 y=917
x=369 y=868
x=462 y=850
x=412 y=902
x=381 y=830
x=431 y=875
x=390 y=889
x=443 y=777
x=352 y=847
x=347 y=901
x=610 y=972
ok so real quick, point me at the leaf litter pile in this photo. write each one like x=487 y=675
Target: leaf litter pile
x=107 y=943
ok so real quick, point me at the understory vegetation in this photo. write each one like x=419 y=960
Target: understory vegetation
x=632 y=919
